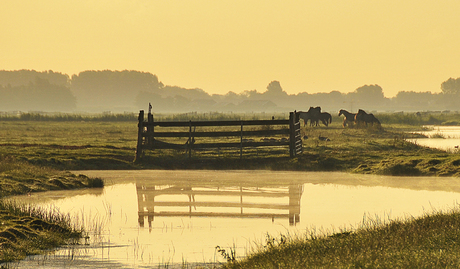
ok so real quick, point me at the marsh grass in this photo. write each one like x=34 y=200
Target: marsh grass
x=430 y=241
x=27 y=230
x=437 y=135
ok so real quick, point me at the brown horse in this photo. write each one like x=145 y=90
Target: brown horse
x=312 y=114
x=349 y=118
x=325 y=118
x=363 y=118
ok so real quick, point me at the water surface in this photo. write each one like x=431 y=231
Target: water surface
x=441 y=137
x=145 y=218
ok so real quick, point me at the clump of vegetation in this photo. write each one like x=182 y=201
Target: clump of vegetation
x=27 y=230
x=431 y=241
x=437 y=135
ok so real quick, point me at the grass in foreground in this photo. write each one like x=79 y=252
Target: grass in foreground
x=26 y=230
x=431 y=241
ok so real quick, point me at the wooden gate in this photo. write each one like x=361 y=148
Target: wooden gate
x=148 y=135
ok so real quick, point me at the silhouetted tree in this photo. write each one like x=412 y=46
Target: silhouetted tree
x=274 y=88
x=451 y=86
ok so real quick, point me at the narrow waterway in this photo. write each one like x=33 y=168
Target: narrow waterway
x=149 y=218
x=442 y=137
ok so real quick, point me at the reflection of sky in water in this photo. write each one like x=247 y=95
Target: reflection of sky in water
x=193 y=239
x=450 y=142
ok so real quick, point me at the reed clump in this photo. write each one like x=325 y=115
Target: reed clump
x=27 y=230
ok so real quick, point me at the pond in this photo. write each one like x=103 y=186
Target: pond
x=149 y=218
x=442 y=137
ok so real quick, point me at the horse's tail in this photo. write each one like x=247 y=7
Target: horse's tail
x=330 y=118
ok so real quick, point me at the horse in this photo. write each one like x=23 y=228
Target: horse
x=312 y=114
x=315 y=113
x=325 y=118
x=305 y=116
x=349 y=118
x=364 y=118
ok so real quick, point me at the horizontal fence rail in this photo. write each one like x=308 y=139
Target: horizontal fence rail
x=148 y=134
x=216 y=123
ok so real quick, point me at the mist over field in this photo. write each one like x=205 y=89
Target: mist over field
x=130 y=91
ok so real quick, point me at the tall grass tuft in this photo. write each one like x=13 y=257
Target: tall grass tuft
x=95 y=182
x=27 y=230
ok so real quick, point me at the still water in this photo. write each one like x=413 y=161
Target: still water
x=141 y=219
x=442 y=137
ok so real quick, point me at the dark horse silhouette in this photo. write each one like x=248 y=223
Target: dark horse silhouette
x=363 y=118
x=315 y=115
x=349 y=118
x=312 y=114
x=325 y=118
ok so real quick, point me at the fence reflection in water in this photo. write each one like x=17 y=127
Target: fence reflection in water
x=156 y=198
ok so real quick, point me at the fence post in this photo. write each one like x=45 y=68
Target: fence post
x=190 y=140
x=291 y=134
x=150 y=129
x=241 y=142
x=140 y=130
x=298 y=134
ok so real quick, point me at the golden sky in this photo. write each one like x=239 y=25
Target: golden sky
x=222 y=45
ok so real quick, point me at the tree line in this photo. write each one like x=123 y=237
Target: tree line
x=128 y=90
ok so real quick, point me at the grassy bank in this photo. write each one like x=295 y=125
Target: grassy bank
x=19 y=177
x=27 y=230
x=431 y=241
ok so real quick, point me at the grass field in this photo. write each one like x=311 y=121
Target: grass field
x=74 y=145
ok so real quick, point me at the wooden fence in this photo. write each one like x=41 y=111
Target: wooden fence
x=148 y=134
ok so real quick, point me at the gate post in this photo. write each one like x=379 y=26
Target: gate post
x=190 y=142
x=140 y=130
x=291 y=134
x=150 y=130
x=241 y=142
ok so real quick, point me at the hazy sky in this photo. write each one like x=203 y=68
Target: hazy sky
x=220 y=46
